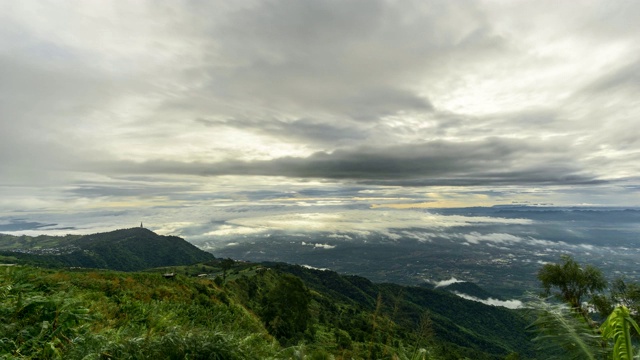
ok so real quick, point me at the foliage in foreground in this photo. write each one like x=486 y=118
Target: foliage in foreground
x=267 y=314
x=105 y=315
x=563 y=333
x=312 y=314
x=617 y=331
x=568 y=330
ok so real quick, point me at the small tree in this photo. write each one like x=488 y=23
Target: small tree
x=621 y=292
x=226 y=264
x=572 y=282
x=286 y=308
x=569 y=331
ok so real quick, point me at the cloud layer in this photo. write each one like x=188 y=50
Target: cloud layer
x=118 y=105
x=510 y=304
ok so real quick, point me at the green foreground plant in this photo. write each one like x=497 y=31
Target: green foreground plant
x=259 y=312
x=567 y=330
x=617 y=330
x=104 y=315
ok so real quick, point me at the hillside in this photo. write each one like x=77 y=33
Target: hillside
x=41 y=243
x=258 y=313
x=471 y=328
x=91 y=314
x=125 y=250
x=339 y=315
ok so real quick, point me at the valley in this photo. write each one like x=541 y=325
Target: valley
x=501 y=257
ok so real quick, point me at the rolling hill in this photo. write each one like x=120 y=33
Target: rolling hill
x=125 y=250
x=341 y=314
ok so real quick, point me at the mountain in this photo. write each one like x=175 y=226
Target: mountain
x=125 y=250
x=469 y=328
x=212 y=308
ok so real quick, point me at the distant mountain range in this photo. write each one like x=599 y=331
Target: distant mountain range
x=125 y=250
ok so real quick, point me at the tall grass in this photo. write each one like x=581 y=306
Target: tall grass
x=92 y=315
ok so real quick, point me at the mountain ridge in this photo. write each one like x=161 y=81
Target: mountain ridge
x=131 y=249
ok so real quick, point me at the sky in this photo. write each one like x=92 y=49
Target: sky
x=214 y=115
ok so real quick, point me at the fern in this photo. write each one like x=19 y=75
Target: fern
x=564 y=333
x=617 y=328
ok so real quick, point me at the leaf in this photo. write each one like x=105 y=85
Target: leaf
x=617 y=328
x=562 y=331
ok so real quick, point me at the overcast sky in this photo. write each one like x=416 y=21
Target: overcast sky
x=140 y=105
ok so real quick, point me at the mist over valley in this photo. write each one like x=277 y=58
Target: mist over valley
x=500 y=248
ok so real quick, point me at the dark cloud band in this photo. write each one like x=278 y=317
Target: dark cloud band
x=491 y=161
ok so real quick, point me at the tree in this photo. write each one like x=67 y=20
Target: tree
x=226 y=264
x=286 y=308
x=568 y=331
x=623 y=293
x=572 y=282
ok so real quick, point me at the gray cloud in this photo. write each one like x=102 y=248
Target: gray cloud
x=97 y=102
x=358 y=59
x=127 y=190
x=492 y=161
x=626 y=77
x=305 y=130
x=19 y=225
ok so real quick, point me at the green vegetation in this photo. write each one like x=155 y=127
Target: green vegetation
x=622 y=293
x=126 y=250
x=225 y=309
x=109 y=315
x=460 y=328
x=293 y=311
x=568 y=329
x=573 y=282
x=565 y=334
x=258 y=313
x=11 y=242
x=617 y=329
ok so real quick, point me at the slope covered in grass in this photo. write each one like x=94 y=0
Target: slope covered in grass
x=109 y=315
x=258 y=313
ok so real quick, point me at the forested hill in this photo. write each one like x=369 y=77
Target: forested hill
x=245 y=311
x=473 y=329
x=335 y=315
x=125 y=250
